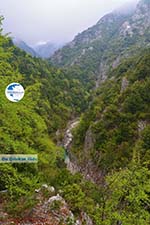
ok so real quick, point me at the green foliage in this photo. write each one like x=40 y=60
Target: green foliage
x=75 y=197
x=18 y=207
x=55 y=205
x=52 y=97
x=29 y=126
x=146 y=138
x=114 y=114
x=113 y=118
x=127 y=198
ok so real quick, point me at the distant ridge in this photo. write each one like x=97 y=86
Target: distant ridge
x=47 y=49
x=22 y=45
x=115 y=36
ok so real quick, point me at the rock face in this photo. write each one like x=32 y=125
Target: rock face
x=68 y=133
x=141 y=126
x=72 y=166
x=84 y=43
x=89 y=141
x=71 y=161
x=139 y=22
x=100 y=48
x=124 y=84
x=87 y=219
x=87 y=169
x=51 y=210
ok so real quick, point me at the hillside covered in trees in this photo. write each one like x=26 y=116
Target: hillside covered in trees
x=29 y=127
x=111 y=143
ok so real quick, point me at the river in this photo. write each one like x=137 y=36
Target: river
x=70 y=159
x=88 y=169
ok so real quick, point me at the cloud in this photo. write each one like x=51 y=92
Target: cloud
x=54 y=20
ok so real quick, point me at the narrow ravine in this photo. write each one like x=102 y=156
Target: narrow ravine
x=72 y=163
x=70 y=159
x=68 y=137
x=87 y=169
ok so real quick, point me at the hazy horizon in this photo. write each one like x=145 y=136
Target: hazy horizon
x=44 y=20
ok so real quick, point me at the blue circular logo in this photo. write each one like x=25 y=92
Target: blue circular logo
x=14 y=92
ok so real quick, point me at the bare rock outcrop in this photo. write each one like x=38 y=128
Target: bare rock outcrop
x=124 y=84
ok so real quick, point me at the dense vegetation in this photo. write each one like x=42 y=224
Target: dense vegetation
x=23 y=125
x=116 y=121
x=100 y=48
x=52 y=97
x=119 y=124
x=116 y=114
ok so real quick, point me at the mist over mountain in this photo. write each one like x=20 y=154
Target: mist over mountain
x=86 y=115
x=22 y=45
x=127 y=8
x=46 y=49
x=102 y=46
x=43 y=50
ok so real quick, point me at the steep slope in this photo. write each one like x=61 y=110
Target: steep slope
x=85 y=43
x=46 y=50
x=29 y=126
x=111 y=143
x=115 y=128
x=101 y=47
x=22 y=45
x=23 y=129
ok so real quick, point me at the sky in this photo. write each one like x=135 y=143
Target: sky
x=58 y=21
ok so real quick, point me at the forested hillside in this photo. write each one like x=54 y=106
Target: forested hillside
x=117 y=122
x=104 y=82
x=101 y=47
x=29 y=127
x=24 y=126
x=115 y=135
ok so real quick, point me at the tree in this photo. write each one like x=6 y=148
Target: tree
x=127 y=199
x=75 y=197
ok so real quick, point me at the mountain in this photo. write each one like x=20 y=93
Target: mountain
x=43 y=50
x=47 y=49
x=22 y=45
x=116 y=121
x=115 y=36
x=93 y=144
x=52 y=97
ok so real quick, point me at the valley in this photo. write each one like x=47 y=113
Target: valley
x=86 y=113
